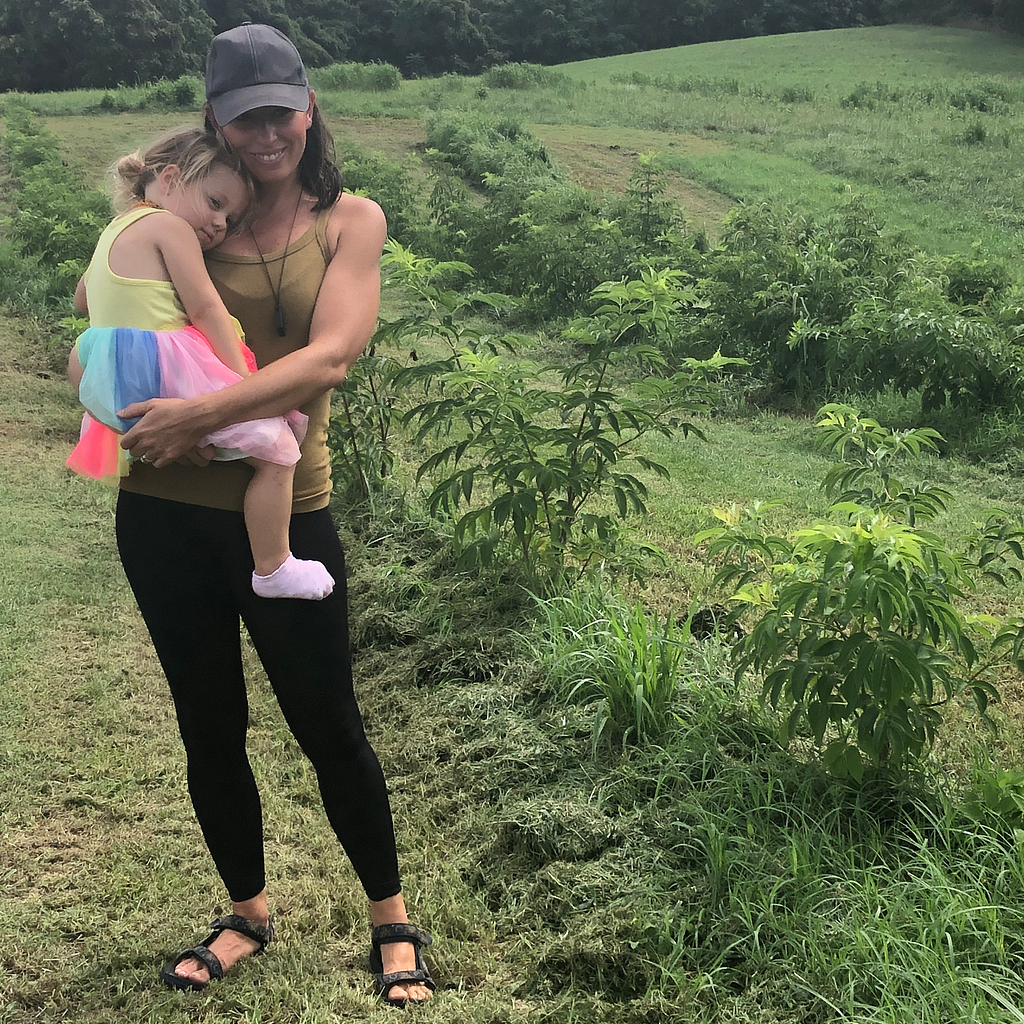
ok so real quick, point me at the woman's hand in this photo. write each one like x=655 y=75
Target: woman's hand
x=166 y=433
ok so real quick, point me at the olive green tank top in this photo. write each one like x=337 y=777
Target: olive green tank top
x=243 y=285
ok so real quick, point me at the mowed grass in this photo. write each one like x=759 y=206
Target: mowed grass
x=834 y=60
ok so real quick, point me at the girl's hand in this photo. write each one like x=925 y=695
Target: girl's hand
x=198 y=456
x=165 y=433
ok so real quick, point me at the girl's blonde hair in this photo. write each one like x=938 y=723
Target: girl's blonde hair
x=194 y=151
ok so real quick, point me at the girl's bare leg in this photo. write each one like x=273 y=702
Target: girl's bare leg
x=268 y=510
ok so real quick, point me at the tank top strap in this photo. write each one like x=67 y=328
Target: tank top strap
x=320 y=229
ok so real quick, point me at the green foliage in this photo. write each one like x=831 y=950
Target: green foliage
x=858 y=634
x=868 y=455
x=546 y=447
x=995 y=795
x=359 y=433
x=673 y=83
x=599 y=650
x=375 y=77
x=185 y=93
x=815 y=306
x=549 y=240
x=975 y=280
x=547 y=455
x=100 y=43
x=54 y=223
x=367 y=403
x=389 y=183
x=482 y=147
x=525 y=76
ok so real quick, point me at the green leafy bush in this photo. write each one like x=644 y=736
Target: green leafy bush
x=975 y=280
x=389 y=183
x=481 y=146
x=819 y=306
x=857 y=632
x=550 y=241
x=374 y=77
x=526 y=76
x=367 y=403
x=54 y=223
x=531 y=457
x=184 y=93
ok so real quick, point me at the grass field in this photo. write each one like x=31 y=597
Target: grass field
x=708 y=877
x=925 y=122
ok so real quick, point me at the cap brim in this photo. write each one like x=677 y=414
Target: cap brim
x=237 y=102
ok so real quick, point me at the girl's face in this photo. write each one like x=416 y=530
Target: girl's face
x=209 y=206
x=270 y=140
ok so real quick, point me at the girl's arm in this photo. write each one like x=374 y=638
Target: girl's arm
x=81 y=301
x=343 y=321
x=179 y=248
x=75 y=369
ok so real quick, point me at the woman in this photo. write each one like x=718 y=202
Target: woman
x=304 y=281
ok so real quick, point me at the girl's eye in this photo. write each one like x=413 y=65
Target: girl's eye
x=215 y=203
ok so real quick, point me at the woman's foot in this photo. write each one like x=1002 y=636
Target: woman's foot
x=398 y=956
x=228 y=946
x=401 y=956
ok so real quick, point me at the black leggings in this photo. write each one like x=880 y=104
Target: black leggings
x=190 y=568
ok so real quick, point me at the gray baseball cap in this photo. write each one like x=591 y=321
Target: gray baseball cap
x=254 y=66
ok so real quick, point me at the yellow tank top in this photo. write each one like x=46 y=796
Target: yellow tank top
x=126 y=301
x=243 y=285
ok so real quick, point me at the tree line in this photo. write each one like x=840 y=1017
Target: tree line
x=64 y=44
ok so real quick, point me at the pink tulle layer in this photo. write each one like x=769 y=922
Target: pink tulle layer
x=186 y=366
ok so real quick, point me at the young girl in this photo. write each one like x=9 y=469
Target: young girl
x=160 y=330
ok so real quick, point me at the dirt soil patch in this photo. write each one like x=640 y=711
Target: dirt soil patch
x=602 y=159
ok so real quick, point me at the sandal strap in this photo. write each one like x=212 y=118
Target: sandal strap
x=403 y=932
x=421 y=976
x=242 y=925
x=207 y=957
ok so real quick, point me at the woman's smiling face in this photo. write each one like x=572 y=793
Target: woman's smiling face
x=270 y=140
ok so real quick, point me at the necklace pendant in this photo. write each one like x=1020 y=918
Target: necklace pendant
x=282 y=330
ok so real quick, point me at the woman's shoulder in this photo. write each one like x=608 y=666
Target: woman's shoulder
x=355 y=220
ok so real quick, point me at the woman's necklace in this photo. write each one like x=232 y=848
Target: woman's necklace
x=282 y=328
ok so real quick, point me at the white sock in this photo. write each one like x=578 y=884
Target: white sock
x=295 y=577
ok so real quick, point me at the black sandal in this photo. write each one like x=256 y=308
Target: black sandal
x=381 y=936
x=209 y=959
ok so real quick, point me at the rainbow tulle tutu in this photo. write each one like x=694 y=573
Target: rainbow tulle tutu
x=126 y=364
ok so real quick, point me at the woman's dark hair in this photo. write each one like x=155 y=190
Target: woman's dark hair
x=318 y=169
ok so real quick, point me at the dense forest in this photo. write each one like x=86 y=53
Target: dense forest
x=47 y=45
